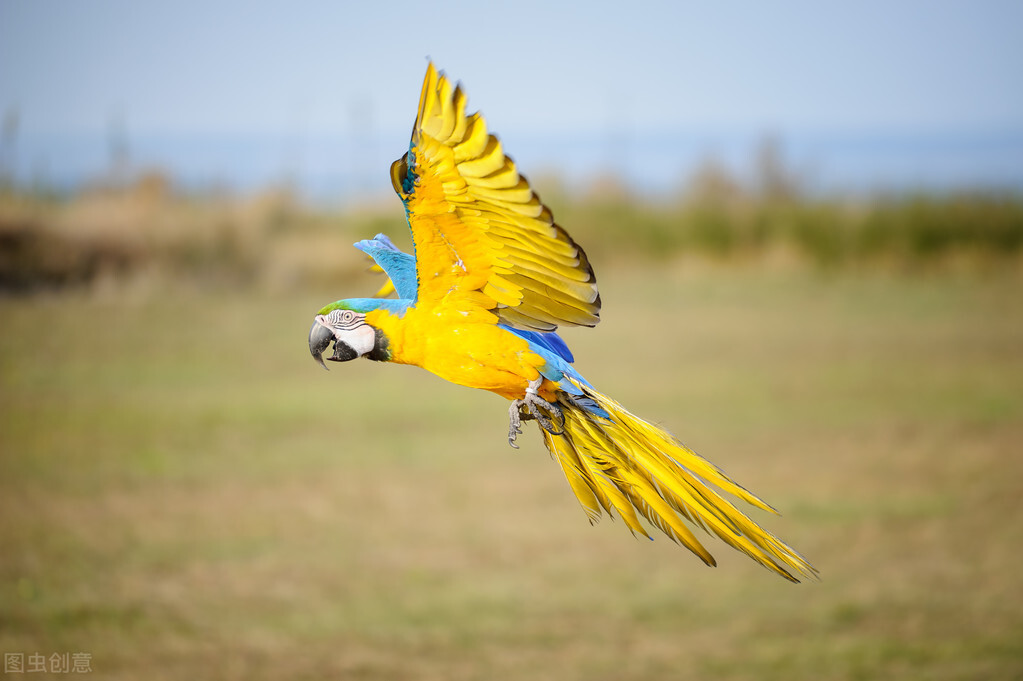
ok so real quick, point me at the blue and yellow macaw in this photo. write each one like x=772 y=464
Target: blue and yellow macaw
x=492 y=278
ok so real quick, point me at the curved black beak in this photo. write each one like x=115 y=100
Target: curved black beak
x=319 y=339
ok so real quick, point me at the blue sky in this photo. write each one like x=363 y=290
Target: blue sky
x=539 y=70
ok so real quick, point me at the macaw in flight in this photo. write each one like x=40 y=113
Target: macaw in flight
x=492 y=278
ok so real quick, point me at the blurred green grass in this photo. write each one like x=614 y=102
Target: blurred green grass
x=149 y=230
x=184 y=494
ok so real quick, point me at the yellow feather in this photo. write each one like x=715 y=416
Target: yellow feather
x=502 y=178
x=576 y=476
x=509 y=315
x=534 y=240
x=447 y=111
x=511 y=262
x=475 y=141
x=639 y=466
x=429 y=85
x=539 y=224
x=608 y=478
x=528 y=262
x=505 y=296
x=490 y=160
x=529 y=209
x=460 y=100
x=469 y=203
x=385 y=290
x=561 y=289
x=519 y=193
x=554 y=312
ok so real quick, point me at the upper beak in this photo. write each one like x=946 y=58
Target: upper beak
x=319 y=338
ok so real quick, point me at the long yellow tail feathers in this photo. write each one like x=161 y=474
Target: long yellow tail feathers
x=626 y=464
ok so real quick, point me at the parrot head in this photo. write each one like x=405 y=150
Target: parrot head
x=352 y=336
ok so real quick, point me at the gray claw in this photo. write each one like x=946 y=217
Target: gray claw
x=514 y=424
x=545 y=422
x=534 y=407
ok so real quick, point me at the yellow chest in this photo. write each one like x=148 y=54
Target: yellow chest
x=460 y=349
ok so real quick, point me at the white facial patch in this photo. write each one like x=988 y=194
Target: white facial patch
x=361 y=339
x=351 y=329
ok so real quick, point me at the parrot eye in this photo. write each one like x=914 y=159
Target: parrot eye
x=342 y=318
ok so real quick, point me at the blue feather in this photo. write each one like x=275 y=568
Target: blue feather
x=397 y=306
x=399 y=266
x=549 y=340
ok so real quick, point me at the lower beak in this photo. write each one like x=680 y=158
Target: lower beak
x=320 y=338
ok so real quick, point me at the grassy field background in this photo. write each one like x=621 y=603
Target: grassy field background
x=184 y=494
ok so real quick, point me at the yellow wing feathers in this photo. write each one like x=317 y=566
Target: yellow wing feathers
x=478 y=227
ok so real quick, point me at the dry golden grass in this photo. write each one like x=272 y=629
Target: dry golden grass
x=184 y=494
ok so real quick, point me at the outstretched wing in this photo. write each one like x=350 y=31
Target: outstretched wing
x=400 y=267
x=480 y=232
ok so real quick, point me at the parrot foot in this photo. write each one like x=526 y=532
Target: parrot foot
x=531 y=407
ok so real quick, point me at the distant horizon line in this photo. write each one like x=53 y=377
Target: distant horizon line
x=342 y=165
x=1008 y=128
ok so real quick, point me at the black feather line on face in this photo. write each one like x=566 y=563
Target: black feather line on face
x=343 y=352
x=381 y=351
